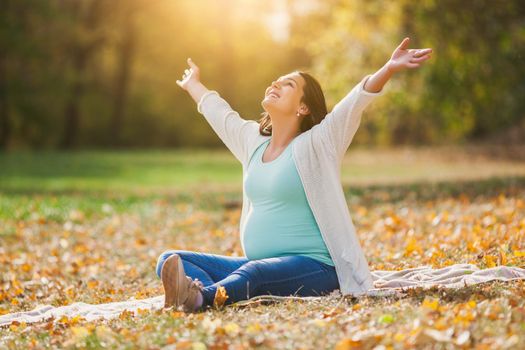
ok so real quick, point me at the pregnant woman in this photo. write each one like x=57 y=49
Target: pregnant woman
x=296 y=232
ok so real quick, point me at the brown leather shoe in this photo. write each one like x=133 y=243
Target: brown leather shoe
x=179 y=289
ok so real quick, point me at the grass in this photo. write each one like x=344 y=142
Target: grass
x=88 y=227
x=115 y=171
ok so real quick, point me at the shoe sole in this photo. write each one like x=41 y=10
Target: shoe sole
x=172 y=269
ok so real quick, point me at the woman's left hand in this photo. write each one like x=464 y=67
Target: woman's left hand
x=407 y=58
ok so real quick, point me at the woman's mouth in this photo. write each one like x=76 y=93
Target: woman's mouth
x=272 y=94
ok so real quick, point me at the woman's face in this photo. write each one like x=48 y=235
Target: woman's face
x=284 y=95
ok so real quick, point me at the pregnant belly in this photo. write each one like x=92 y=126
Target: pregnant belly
x=267 y=238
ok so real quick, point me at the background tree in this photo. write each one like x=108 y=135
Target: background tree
x=98 y=73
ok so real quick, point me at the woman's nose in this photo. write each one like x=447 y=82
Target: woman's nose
x=275 y=84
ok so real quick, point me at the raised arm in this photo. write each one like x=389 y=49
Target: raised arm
x=402 y=58
x=191 y=82
x=234 y=131
x=339 y=126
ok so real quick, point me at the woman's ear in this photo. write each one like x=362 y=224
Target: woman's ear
x=304 y=109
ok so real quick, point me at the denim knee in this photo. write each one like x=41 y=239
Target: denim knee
x=249 y=270
x=162 y=258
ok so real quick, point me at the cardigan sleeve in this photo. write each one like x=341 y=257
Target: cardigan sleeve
x=233 y=131
x=340 y=125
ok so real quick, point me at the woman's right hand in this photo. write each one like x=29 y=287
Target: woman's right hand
x=190 y=76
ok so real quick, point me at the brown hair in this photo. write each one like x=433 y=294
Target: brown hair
x=313 y=98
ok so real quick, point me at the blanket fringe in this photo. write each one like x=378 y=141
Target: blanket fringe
x=386 y=283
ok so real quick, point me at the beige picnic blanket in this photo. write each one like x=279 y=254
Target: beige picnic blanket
x=385 y=283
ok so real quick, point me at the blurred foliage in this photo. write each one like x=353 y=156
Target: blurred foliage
x=97 y=74
x=470 y=88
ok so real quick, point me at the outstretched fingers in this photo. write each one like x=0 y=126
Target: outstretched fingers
x=193 y=71
x=420 y=59
x=421 y=52
x=192 y=65
x=404 y=43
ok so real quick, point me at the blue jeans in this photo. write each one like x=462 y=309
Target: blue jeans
x=243 y=278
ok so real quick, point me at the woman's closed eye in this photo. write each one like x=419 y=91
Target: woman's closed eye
x=280 y=83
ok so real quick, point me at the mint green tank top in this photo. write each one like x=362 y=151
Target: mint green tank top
x=280 y=221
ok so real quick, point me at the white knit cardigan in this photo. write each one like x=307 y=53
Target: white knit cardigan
x=318 y=155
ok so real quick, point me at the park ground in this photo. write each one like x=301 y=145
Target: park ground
x=89 y=226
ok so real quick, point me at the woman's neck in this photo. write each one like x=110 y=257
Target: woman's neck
x=282 y=135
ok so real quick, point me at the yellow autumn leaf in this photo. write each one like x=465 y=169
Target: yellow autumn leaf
x=15 y=325
x=79 y=332
x=143 y=312
x=348 y=343
x=399 y=337
x=220 y=297
x=431 y=304
x=232 y=328
x=471 y=303
x=490 y=260
x=441 y=324
x=177 y=314
x=254 y=328
x=412 y=246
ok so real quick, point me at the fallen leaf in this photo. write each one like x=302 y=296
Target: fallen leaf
x=220 y=297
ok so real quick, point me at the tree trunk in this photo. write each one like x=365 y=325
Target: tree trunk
x=126 y=51
x=72 y=112
x=5 y=122
x=81 y=55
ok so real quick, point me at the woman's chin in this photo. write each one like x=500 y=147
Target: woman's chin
x=266 y=103
x=271 y=100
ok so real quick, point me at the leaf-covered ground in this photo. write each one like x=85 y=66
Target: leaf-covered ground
x=65 y=243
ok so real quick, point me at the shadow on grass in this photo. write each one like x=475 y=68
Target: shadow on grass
x=209 y=198
x=423 y=190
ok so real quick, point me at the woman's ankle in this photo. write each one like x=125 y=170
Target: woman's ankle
x=199 y=301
